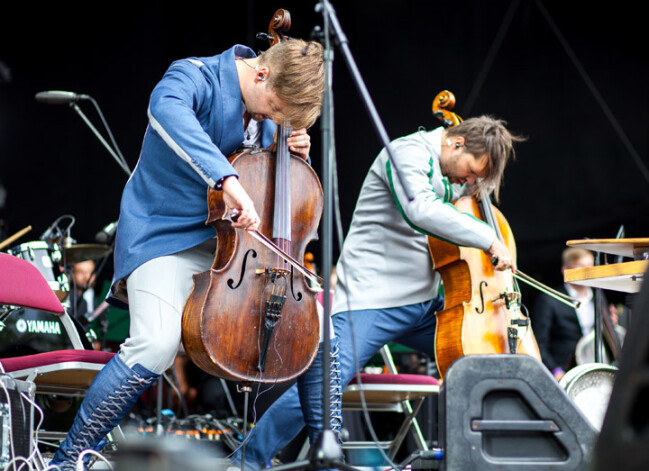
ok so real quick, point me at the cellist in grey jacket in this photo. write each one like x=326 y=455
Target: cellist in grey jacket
x=385 y=277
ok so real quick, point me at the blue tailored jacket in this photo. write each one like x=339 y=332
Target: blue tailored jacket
x=195 y=122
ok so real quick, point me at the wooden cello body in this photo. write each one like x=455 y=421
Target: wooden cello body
x=482 y=306
x=225 y=315
x=252 y=317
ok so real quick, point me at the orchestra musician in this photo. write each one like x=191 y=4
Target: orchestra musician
x=201 y=111
x=385 y=276
x=82 y=296
x=558 y=327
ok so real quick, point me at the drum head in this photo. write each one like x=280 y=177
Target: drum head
x=590 y=386
x=46 y=258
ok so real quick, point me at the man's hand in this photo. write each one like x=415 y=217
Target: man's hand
x=500 y=255
x=236 y=199
x=299 y=143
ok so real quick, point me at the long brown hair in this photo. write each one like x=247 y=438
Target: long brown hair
x=488 y=135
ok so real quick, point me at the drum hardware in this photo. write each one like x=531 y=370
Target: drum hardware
x=55 y=251
x=56 y=234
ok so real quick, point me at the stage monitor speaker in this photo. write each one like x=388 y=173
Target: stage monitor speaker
x=623 y=443
x=16 y=420
x=506 y=413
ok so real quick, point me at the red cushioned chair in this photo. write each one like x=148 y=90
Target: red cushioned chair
x=60 y=372
x=400 y=393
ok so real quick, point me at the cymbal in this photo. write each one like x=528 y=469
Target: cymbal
x=81 y=252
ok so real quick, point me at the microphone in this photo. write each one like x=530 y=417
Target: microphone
x=57 y=97
x=52 y=233
x=107 y=233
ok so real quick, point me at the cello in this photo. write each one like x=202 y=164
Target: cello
x=482 y=306
x=252 y=316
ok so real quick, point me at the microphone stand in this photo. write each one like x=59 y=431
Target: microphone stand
x=330 y=22
x=597 y=302
x=118 y=158
x=327 y=452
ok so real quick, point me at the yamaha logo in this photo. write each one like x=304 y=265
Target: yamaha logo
x=34 y=326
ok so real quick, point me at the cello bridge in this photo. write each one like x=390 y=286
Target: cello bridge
x=273 y=273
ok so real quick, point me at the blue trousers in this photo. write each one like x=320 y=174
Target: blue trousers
x=364 y=332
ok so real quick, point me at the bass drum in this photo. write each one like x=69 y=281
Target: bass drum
x=590 y=386
x=26 y=331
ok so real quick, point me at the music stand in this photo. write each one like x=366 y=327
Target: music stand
x=624 y=276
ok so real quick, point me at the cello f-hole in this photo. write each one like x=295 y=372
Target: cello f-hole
x=299 y=295
x=481 y=310
x=243 y=269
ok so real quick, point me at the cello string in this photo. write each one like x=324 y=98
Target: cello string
x=282 y=216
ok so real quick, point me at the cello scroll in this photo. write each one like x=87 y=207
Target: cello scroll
x=443 y=103
x=279 y=24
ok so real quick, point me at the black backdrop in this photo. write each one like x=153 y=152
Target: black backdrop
x=572 y=76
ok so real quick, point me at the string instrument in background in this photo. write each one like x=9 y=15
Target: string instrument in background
x=253 y=317
x=482 y=306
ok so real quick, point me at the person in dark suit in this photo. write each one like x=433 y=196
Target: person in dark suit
x=557 y=326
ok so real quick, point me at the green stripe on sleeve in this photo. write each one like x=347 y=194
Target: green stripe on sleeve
x=388 y=169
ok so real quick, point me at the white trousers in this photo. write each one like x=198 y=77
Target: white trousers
x=157 y=291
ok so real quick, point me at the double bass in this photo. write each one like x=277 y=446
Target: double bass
x=482 y=306
x=253 y=317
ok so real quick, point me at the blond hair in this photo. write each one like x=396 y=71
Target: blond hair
x=572 y=254
x=488 y=135
x=297 y=77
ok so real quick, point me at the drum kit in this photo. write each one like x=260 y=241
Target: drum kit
x=25 y=331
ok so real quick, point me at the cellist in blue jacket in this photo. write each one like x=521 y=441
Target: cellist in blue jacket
x=201 y=111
